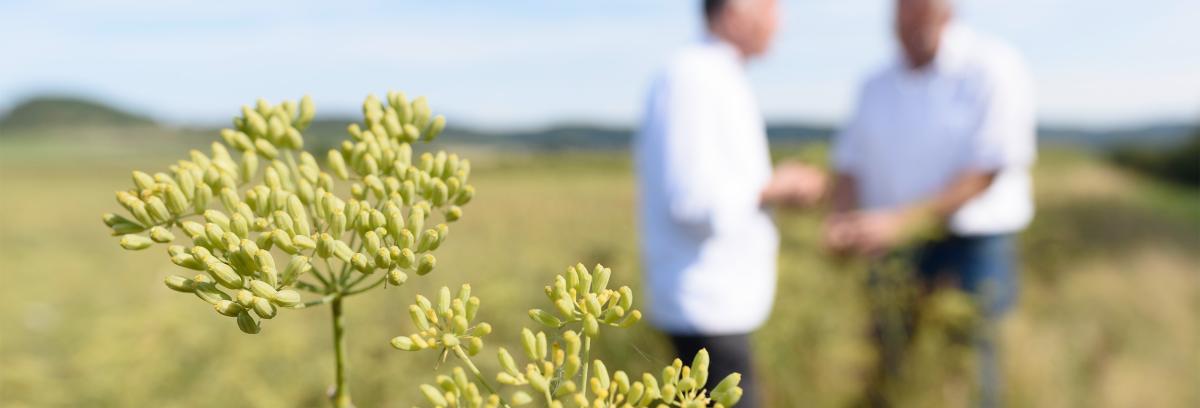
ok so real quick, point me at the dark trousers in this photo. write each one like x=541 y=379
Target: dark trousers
x=982 y=266
x=727 y=354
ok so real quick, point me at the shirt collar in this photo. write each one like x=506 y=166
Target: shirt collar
x=952 y=50
x=953 y=47
x=722 y=47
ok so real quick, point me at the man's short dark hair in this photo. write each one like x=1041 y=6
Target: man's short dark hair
x=713 y=7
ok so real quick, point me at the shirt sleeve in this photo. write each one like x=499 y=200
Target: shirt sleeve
x=682 y=157
x=1006 y=132
x=690 y=158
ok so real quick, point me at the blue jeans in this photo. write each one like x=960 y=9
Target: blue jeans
x=982 y=266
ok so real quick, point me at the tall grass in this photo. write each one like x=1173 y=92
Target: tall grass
x=1109 y=313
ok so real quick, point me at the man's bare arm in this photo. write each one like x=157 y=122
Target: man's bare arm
x=794 y=184
x=839 y=232
x=844 y=197
x=968 y=185
x=875 y=232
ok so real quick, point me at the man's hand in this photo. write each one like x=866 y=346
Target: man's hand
x=873 y=233
x=876 y=232
x=794 y=184
x=840 y=233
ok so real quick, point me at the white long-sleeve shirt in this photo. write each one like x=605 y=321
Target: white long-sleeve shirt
x=914 y=132
x=708 y=248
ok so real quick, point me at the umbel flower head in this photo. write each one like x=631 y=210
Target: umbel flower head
x=583 y=297
x=265 y=220
x=447 y=326
x=557 y=371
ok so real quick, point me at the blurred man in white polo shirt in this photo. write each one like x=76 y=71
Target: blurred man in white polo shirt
x=943 y=136
x=709 y=250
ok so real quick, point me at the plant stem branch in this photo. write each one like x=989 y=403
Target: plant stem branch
x=351 y=291
x=341 y=392
x=458 y=352
x=321 y=277
x=361 y=277
x=307 y=286
x=587 y=358
x=344 y=276
x=321 y=301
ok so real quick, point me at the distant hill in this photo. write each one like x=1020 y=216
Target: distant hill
x=1158 y=135
x=1178 y=162
x=56 y=111
x=591 y=137
x=53 y=111
x=327 y=132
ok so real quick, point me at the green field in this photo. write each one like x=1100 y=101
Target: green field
x=1109 y=313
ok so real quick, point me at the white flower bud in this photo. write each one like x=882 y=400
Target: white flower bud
x=266 y=149
x=180 y=284
x=266 y=267
x=404 y=343
x=161 y=235
x=247 y=323
x=203 y=196
x=434 y=396
x=157 y=210
x=263 y=308
x=465 y=195
x=397 y=277
x=435 y=128
x=286 y=298
x=228 y=308
x=426 y=264
x=307 y=113
x=224 y=274
x=262 y=289
x=546 y=319
x=134 y=242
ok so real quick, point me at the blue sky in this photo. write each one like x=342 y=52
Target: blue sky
x=525 y=63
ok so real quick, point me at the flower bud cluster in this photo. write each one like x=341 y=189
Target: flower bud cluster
x=583 y=297
x=552 y=369
x=448 y=326
x=683 y=386
x=557 y=371
x=458 y=391
x=679 y=385
x=259 y=195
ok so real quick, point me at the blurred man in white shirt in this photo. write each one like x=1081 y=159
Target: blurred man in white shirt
x=709 y=249
x=944 y=136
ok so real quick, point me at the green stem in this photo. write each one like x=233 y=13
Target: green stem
x=458 y=351
x=366 y=288
x=341 y=393
x=345 y=273
x=321 y=277
x=321 y=301
x=308 y=286
x=587 y=353
x=352 y=283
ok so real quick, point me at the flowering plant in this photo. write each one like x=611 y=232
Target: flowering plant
x=266 y=223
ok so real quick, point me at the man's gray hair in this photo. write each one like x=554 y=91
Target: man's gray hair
x=713 y=7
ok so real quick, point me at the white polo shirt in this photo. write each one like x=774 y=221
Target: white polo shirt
x=708 y=248
x=914 y=132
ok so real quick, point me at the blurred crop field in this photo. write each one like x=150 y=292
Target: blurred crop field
x=1109 y=314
